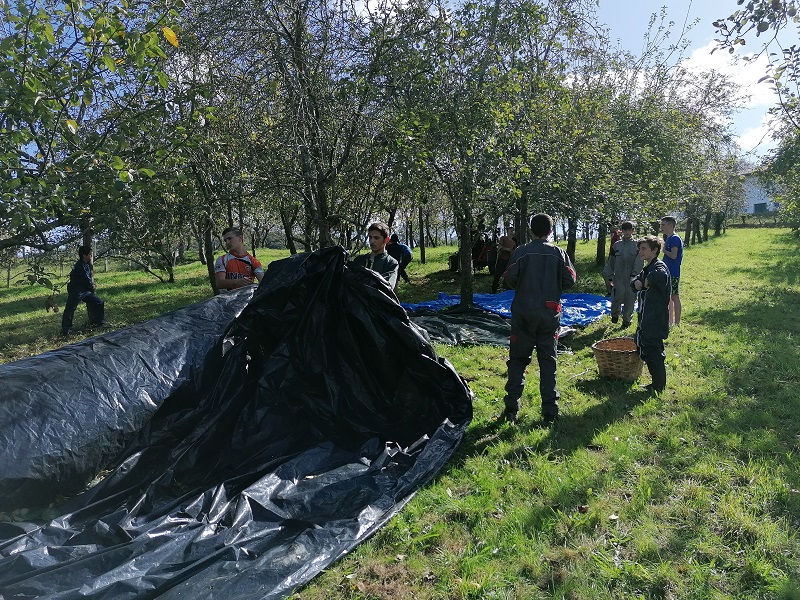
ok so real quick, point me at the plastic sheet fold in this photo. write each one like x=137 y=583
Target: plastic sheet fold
x=314 y=421
x=66 y=414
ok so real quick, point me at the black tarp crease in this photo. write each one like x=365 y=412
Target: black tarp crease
x=327 y=411
x=66 y=414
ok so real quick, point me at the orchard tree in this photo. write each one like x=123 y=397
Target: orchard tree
x=773 y=23
x=73 y=77
x=460 y=100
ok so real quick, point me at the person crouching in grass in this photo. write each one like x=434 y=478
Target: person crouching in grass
x=654 y=287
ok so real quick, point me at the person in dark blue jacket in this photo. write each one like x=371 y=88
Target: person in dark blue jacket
x=654 y=287
x=402 y=254
x=81 y=288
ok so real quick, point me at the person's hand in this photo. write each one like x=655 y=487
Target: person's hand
x=646 y=283
x=637 y=284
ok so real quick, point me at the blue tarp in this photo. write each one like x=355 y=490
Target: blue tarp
x=578 y=309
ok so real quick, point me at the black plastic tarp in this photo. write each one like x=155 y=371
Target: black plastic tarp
x=324 y=415
x=66 y=414
x=463 y=326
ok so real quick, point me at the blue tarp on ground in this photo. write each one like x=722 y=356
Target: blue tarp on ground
x=578 y=309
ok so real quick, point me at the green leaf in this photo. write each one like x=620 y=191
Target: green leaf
x=108 y=61
x=72 y=126
x=48 y=33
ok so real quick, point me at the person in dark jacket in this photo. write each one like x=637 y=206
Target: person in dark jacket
x=538 y=271
x=402 y=254
x=378 y=259
x=81 y=288
x=654 y=287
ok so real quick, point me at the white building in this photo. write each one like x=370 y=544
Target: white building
x=757 y=197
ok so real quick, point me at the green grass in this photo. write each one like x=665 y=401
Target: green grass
x=690 y=495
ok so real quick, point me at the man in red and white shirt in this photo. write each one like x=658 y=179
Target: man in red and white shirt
x=237 y=268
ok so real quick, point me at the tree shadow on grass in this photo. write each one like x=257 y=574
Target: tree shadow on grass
x=568 y=434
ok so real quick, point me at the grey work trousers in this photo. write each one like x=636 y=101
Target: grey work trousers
x=623 y=298
x=529 y=333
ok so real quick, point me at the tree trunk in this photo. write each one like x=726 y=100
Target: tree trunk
x=465 y=261
x=421 y=236
x=286 y=222
x=706 y=225
x=199 y=239
x=572 y=238
x=521 y=230
x=600 y=255
x=687 y=241
x=208 y=251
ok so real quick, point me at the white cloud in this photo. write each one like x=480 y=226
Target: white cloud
x=756 y=140
x=744 y=73
x=757 y=97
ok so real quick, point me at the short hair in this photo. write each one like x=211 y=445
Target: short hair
x=234 y=230
x=670 y=219
x=380 y=227
x=541 y=224
x=395 y=239
x=626 y=225
x=651 y=240
x=84 y=250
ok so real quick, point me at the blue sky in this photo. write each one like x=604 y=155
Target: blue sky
x=628 y=21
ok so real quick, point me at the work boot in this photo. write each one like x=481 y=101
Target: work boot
x=509 y=415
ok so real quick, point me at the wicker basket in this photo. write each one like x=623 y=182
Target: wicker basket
x=617 y=358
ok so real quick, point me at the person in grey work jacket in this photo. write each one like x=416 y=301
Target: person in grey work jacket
x=81 y=288
x=624 y=263
x=538 y=272
x=378 y=259
x=654 y=286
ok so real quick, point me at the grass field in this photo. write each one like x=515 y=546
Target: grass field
x=691 y=495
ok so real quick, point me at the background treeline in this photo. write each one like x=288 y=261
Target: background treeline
x=146 y=127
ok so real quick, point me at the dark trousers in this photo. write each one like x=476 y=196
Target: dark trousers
x=652 y=353
x=94 y=306
x=529 y=334
x=402 y=272
x=499 y=269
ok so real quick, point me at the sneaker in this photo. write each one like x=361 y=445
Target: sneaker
x=626 y=324
x=615 y=318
